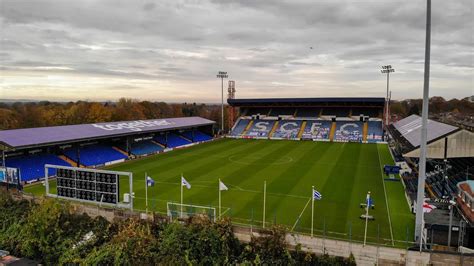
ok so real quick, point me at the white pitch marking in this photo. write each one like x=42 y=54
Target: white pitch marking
x=385 y=192
x=300 y=214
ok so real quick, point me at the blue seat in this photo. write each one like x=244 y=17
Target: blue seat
x=317 y=130
x=32 y=166
x=143 y=147
x=287 y=129
x=197 y=136
x=172 y=140
x=240 y=127
x=260 y=128
x=348 y=131
x=97 y=154
x=375 y=132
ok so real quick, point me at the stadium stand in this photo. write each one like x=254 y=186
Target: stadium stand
x=143 y=148
x=303 y=112
x=27 y=140
x=282 y=111
x=375 y=133
x=317 y=130
x=370 y=112
x=308 y=112
x=338 y=112
x=239 y=127
x=198 y=136
x=287 y=129
x=32 y=166
x=95 y=154
x=348 y=131
x=257 y=111
x=172 y=140
x=260 y=128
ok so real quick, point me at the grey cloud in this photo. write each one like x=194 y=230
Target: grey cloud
x=186 y=42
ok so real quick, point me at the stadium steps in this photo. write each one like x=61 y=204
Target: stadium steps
x=350 y=112
x=120 y=150
x=274 y=128
x=186 y=139
x=365 y=131
x=183 y=137
x=320 y=112
x=249 y=126
x=332 y=132
x=269 y=112
x=69 y=161
x=301 y=131
x=159 y=144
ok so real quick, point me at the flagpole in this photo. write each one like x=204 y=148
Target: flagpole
x=181 y=183
x=219 y=187
x=264 y=200
x=146 y=193
x=312 y=210
x=366 y=216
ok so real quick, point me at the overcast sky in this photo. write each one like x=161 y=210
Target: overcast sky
x=172 y=50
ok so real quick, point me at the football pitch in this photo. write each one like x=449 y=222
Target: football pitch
x=342 y=172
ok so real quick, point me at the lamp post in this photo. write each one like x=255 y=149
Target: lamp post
x=419 y=224
x=452 y=203
x=222 y=75
x=387 y=70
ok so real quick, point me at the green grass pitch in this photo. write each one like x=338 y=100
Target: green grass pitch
x=342 y=172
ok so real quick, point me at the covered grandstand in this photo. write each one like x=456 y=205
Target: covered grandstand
x=450 y=153
x=319 y=119
x=95 y=145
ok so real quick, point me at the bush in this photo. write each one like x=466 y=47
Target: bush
x=50 y=233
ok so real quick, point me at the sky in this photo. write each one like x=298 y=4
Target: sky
x=172 y=50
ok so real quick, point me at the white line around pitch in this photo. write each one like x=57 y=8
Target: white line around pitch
x=385 y=192
x=300 y=214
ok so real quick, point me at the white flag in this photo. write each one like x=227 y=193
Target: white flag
x=185 y=183
x=222 y=186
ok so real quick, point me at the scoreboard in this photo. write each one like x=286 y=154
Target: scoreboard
x=88 y=185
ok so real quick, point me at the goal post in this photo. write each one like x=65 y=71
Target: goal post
x=176 y=210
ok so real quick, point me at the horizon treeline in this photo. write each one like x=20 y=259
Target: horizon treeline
x=45 y=113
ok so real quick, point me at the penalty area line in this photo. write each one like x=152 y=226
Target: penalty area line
x=297 y=220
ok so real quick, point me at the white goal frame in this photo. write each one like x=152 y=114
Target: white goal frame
x=186 y=214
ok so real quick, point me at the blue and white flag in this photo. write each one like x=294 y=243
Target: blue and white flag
x=150 y=182
x=185 y=183
x=317 y=195
x=369 y=202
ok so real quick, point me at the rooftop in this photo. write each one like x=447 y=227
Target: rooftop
x=43 y=136
x=410 y=129
x=306 y=101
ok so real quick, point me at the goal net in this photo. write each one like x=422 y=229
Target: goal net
x=177 y=210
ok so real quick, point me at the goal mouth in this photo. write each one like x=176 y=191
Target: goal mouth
x=176 y=210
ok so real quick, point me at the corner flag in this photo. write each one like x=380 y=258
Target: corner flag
x=369 y=201
x=185 y=183
x=222 y=186
x=317 y=195
x=150 y=182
